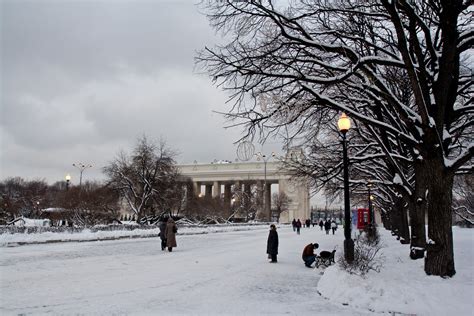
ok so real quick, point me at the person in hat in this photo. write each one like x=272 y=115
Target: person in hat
x=272 y=244
x=308 y=254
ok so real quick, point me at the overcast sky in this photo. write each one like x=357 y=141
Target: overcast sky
x=81 y=80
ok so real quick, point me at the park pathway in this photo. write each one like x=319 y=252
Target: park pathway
x=210 y=274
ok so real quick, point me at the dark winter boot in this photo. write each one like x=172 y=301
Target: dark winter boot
x=170 y=249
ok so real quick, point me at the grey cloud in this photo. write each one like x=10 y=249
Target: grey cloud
x=83 y=79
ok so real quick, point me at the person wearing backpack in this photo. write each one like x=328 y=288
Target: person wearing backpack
x=170 y=233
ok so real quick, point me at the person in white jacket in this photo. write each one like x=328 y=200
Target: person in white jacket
x=333 y=226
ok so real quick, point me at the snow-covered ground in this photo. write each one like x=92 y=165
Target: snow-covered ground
x=224 y=273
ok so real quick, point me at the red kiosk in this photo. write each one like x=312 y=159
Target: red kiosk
x=363 y=218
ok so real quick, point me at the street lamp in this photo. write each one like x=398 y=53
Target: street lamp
x=81 y=168
x=369 y=185
x=68 y=181
x=344 y=124
x=371 y=213
x=265 y=159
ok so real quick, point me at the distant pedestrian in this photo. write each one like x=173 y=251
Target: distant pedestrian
x=308 y=223
x=272 y=244
x=333 y=226
x=298 y=226
x=327 y=226
x=170 y=233
x=321 y=224
x=293 y=223
x=308 y=254
x=162 y=226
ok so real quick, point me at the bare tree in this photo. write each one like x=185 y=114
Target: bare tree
x=20 y=197
x=464 y=199
x=146 y=179
x=281 y=202
x=317 y=58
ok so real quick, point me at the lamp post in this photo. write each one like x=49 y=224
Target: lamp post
x=68 y=181
x=81 y=168
x=265 y=159
x=344 y=124
x=369 y=185
x=371 y=213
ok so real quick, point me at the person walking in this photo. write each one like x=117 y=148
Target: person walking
x=308 y=254
x=170 y=233
x=333 y=226
x=308 y=223
x=272 y=244
x=162 y=226
x=321 y=224
x=327 y=226
x=293 y=223
x=298 y=226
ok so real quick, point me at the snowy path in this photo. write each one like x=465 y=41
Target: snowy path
x=213 y=274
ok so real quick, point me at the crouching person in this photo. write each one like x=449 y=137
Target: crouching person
x=308 y=254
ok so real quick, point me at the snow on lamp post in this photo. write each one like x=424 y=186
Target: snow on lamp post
x=344 y=124
x=265 y=159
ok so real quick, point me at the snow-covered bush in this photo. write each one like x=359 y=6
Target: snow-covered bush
x=367 y=254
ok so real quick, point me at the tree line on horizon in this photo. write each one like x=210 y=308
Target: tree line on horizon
x=145 y=182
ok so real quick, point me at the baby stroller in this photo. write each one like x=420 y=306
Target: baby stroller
x=325 y=258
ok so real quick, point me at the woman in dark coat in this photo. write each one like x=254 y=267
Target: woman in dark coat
x=327 y=226
x=272 y=243
x=163 y=233
x=298 y=226
x=170 y=233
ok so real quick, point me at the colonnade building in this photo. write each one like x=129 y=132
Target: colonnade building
x=221 y=179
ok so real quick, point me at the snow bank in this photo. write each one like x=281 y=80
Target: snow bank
x=88 y=235
x=403 y=284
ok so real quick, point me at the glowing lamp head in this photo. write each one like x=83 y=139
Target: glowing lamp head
x=68 y=177
x=344 y=123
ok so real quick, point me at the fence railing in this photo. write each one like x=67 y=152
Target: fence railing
x=10 y=229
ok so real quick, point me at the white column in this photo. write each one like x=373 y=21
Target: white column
x=216 y=189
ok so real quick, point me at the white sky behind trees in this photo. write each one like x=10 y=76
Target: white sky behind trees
x=81 y=80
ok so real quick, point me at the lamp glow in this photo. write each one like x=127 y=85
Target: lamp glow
x=344 y=123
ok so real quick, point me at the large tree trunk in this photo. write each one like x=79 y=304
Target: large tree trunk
x=440 y=255
x=394 y=221
x=386 y=220
x=400 y=222
x=417 y=205
x=404 y=230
